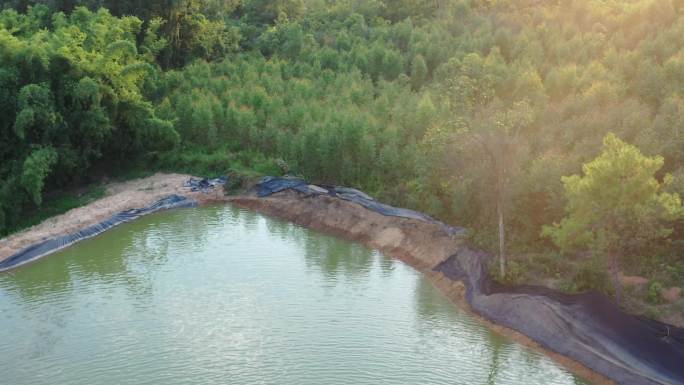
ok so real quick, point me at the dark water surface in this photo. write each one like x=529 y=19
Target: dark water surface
x=220 y=295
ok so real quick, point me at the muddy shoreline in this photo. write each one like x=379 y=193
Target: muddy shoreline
x=419 y=244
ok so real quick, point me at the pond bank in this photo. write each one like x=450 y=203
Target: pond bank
x=120 y=196
x=425 y=246
x=421 y=245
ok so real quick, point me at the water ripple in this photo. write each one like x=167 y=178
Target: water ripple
x=220 y=295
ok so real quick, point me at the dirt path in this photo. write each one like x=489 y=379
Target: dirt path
x=120 y=196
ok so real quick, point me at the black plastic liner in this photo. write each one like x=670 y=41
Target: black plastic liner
x=589 y=327
x=39 y=250
x=271 y=185
x=205 y=185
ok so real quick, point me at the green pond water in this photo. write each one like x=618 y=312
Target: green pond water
x=220 y=295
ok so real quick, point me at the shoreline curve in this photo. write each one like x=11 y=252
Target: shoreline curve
x=422 y=245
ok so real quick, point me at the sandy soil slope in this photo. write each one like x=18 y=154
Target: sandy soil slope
x=120 y=196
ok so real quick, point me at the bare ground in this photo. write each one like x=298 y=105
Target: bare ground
x=120 y=196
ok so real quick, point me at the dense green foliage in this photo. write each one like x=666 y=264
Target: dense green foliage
x=471 y=110
x=617 y=206
x=71 y=91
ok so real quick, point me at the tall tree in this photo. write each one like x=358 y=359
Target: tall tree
x=494 y=137
x=617 y=206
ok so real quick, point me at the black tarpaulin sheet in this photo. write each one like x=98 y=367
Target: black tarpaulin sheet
x=588 y=328
x=39 y=250
x=271 y=185
x=205 y=185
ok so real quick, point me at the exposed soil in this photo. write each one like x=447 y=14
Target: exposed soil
x=423 y=245
x=627 y=280
x=120 y=196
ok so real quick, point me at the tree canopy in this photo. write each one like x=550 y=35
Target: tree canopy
x=72 y=91
x=618 y=203
x=389 y=96
x=618 y=206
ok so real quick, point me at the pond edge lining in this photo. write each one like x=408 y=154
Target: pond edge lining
x=49 y=246
x=585 y=332
x=454 y=289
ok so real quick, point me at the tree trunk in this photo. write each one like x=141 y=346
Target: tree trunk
x=614 y=272
x=502 y=234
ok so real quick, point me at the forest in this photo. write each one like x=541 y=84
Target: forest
x=553 y=130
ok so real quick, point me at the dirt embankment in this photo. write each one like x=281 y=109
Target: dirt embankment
x=121 y=196
x=423 y=245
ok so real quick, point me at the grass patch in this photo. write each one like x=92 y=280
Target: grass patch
x=58 y=204
x=200 y=162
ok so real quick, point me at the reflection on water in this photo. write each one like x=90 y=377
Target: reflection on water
x=217 y=295
x=336 y=259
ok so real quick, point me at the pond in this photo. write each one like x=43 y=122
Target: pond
x=220 y=295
